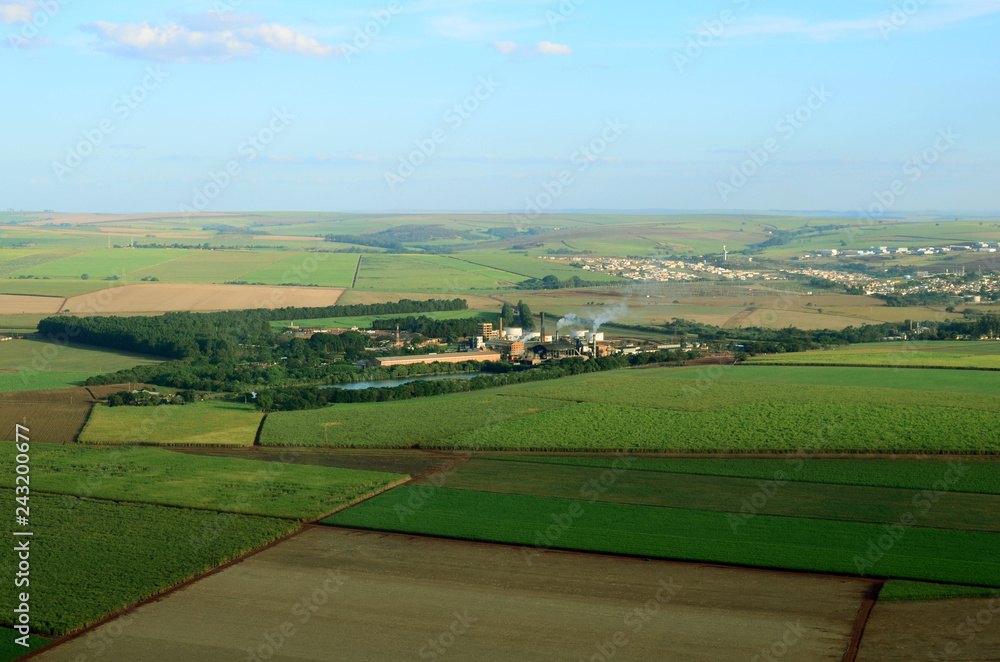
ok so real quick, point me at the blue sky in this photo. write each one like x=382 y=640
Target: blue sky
x=581 y=104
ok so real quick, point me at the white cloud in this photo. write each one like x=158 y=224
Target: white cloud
x=528 y=50
x=15 y=12
x=926 y=17
x=461 y=27
x=211 y=37
x=548 y=48
x=505 y=47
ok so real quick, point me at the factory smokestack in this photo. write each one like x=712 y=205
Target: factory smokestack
x=541 y=335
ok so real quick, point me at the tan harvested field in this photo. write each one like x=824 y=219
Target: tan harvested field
x=53 y=417
x=952 y=630
x=476 y=302
x=169 y=297
x=84 y=218
x=336 y=594
x=11 y=304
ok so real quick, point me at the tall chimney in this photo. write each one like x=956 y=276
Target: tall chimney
x=501 y=326
x=541 y=337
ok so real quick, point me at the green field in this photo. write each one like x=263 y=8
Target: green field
x=325 y=269
x=54 y=287
x=96 y=557
x=210 y=423
x=899 y=590
x=365 y=322
x=428 y=273
x=523 y=266
x=43 y=355
x=210 y=266
x=31 y=380
x=964 y=557
x=875 y=505
x=404 y=424
x=229 y=484
x=686 y=409
x=10 y=651
x=104 y=263
x=979 y=477
x=942 y=354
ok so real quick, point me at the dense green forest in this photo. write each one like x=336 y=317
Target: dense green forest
x=216 y=336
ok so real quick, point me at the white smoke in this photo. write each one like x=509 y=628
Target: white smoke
x=607 y=315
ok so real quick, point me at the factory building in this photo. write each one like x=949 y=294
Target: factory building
x=486 y=330
x=455 y=357
x=508 y=349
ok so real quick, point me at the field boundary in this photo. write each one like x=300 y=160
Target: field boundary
x=260 y=426
x=360 y=499
x=861 y=620
x=165 y=592
x=480 y=264
x=357 y=270
x=864 y=365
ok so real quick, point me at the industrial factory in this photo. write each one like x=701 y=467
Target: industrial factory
x=516 y=346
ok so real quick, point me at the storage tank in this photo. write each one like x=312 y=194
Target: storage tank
x=578 y=334
x=592 y=336
x=513 y=332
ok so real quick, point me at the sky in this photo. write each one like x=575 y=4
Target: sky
x=867 y=107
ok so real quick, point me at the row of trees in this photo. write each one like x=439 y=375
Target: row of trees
x=496 y=374
x=215 y=336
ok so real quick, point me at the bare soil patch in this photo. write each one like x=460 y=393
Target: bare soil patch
x=953 y=630
x=338 y=594
x=54 y=417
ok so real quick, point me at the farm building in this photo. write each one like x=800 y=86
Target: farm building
x=457 y=357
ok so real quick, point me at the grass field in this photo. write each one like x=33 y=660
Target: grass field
x=326 y=269
x=162 y=477
x=54 y=287
x=210 y=266
x=688 y=409
x=944 y=354
x=874 y=505
x=404 y=424
x=925 y=554
x=901 y=590
x=365 y=322
x=103 y=263
x=10 y=651
x=980 y=477
x=77 y=575
x=428 y=273
x=210 y=423
x=43 y=355
x=39 y=380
